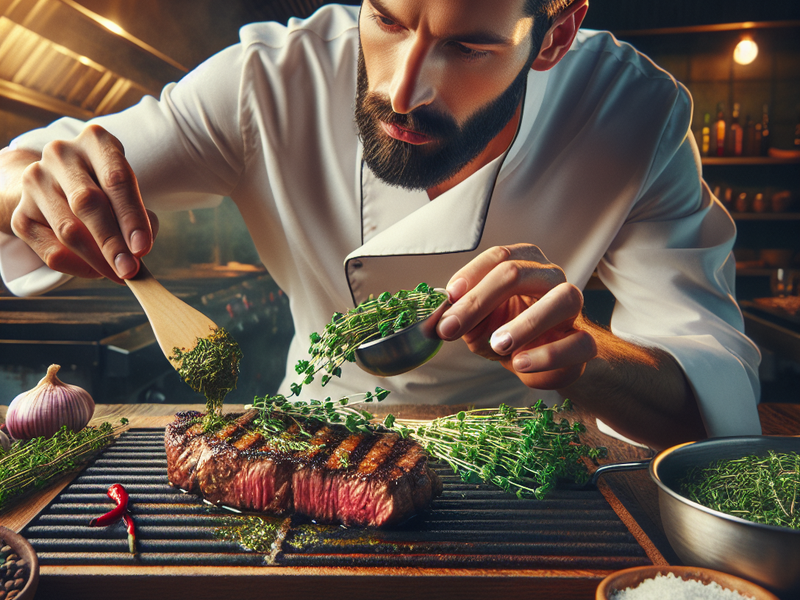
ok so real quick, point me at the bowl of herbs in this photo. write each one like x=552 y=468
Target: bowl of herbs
x=385 y=336
x=733 y=504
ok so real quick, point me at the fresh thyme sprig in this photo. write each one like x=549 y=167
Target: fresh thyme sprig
x=277 y=413
x=525 y=450
x=372 y=319
x=762 y=489
x=32 y=464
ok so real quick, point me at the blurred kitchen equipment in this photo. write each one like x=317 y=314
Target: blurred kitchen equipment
x=766 y=554
x=404 y=350
x=784 y=282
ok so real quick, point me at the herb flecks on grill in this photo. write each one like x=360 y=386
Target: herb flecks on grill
x=211 y=367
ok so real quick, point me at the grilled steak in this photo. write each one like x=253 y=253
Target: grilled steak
x=374 y=479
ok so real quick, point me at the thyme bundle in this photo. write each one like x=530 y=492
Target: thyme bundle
x=211 y=367
x=372 y=319
x=32 y=464
x=761 y=489
x=524 y=451
x=277 y=413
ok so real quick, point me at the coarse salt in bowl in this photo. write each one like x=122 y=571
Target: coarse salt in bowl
x=678 y=583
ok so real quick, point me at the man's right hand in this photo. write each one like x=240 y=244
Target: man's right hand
x=78 y=206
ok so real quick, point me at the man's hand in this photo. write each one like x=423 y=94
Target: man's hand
x=512 y=305
x=79 y=207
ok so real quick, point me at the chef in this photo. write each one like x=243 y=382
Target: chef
x=492 y=148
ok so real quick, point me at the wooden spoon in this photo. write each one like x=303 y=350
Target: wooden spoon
x=175 y=323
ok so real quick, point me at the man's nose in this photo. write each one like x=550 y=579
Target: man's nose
x=414 y=82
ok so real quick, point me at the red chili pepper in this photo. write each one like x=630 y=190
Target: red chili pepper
x=117 y=493
x=131 y=532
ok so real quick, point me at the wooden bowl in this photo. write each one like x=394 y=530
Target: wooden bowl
x=631 y=578
x=23 y=548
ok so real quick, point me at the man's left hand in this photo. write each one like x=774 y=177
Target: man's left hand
x=511 y=304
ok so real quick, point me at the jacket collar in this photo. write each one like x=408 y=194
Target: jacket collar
x=401 y=223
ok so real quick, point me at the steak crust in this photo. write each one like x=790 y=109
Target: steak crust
x=375 y=479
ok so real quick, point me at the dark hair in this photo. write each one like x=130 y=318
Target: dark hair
x=543 y=13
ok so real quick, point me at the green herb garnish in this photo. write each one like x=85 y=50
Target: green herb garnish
x=32 y=464
x=761 y=489
x=372 y=319
x=211 y=367
x=251 y=532
x=525 y=450
x=277 y=413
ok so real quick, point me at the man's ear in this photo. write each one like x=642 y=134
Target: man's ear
x=559 y=37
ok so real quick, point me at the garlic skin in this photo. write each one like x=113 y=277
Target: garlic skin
x=42 y=411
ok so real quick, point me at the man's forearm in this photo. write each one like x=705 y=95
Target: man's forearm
x=12 y=165
x=641 y=393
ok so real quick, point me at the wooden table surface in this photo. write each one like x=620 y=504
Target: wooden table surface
x=633 y=492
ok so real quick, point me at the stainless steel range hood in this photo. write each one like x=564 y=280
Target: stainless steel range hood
x=59 y=57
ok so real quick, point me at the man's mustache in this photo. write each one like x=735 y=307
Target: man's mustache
x=422 y=120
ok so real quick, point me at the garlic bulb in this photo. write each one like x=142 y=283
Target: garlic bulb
x=5 y=443
x=44 y=409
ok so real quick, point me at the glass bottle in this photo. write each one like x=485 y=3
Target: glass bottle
x=765 y=135
x=749 y=145
x=733 y=141
x=720 y=129
x=705 y=135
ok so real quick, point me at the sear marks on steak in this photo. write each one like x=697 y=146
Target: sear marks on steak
x=375 y=479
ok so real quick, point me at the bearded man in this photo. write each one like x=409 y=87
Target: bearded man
x=497 y=149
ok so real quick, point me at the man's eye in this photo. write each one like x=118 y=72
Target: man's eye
x=468 y=53
x=384 y=22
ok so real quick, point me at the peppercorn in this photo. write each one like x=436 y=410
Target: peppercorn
x=13 y=572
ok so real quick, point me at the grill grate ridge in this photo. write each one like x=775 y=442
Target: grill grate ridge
x=469 y=526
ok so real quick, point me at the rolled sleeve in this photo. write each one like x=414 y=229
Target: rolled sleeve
x=672 y=272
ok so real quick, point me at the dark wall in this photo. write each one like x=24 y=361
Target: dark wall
x=647 y=14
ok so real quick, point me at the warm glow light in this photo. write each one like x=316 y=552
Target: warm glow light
x=111 y=26
x=746 y=51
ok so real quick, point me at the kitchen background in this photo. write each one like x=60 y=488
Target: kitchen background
x=87 y=57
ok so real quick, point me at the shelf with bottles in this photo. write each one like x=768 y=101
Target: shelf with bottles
x=715 y=161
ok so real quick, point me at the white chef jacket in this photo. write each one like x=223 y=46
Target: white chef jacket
x=602 y=174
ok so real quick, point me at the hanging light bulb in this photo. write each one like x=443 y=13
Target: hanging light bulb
x=746 y=51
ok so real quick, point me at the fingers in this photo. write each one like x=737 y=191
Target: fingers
x=511 y=304
x=559 y=306
x=86 y=193
x=492 y=278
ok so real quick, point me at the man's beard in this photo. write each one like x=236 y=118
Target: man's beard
x=424 y=166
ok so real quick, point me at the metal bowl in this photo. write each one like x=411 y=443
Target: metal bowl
x=766 y=554
x=404 y=350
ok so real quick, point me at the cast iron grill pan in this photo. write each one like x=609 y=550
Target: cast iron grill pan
x=469 y=526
